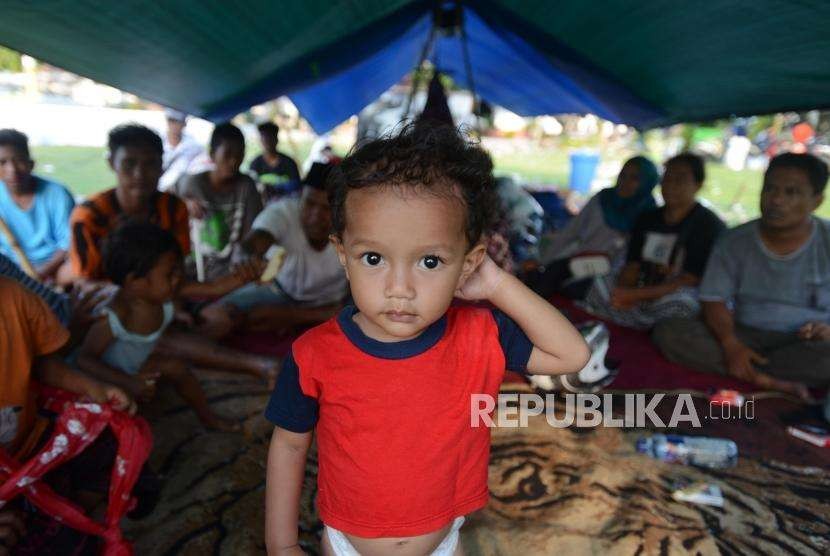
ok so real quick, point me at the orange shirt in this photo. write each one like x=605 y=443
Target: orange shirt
x=95 y=218
x=28 y=329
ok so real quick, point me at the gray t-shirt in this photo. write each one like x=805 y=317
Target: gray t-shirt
x=228 y=217
x=587 y=232
x=306 y=274
x=770 y=291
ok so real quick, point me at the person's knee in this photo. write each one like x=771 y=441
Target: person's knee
x=666 y=333
x=218 y=320
x=174 y=370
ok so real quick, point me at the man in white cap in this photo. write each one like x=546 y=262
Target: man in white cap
x=181 y=152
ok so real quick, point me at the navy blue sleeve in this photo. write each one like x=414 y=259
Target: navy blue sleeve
x=288 y=407
x=514 y=343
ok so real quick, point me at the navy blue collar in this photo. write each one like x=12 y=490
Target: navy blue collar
x=390 y=350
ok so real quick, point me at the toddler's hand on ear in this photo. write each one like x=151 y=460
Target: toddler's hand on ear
x=483 y=282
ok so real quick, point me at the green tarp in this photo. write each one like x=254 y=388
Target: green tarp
x=677 y=61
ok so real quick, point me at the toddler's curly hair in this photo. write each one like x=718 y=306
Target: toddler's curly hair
x=433 y=158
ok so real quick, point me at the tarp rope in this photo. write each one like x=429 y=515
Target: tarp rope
x=416 y=74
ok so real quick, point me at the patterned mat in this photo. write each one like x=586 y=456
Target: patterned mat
x=563 y=491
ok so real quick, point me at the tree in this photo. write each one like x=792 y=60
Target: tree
x=10 y=60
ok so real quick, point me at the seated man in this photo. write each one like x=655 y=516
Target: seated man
x=311 y=282
x=35 y=210
x=667 y=254
x=182 y=154
x=766 y=291
x=135 y=155
x=276 y=171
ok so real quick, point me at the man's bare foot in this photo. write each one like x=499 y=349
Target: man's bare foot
x=796 y=389
x=803 y=392
x=221 y=424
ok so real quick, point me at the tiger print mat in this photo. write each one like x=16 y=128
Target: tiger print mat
x=553 y=491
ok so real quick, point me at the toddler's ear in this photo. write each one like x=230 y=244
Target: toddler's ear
x=341 y=252
x=472 y=260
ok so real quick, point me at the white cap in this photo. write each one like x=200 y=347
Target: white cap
x=173 y=114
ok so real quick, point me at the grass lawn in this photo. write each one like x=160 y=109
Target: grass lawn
x=84 y=170
x=535 y=166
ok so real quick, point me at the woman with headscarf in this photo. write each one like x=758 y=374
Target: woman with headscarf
x=601 y=228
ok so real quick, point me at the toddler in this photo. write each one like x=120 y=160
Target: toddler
x=146 y=263
x=388 y=382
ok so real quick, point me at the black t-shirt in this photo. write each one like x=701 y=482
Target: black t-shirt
x=667 y=250
x=285 y=173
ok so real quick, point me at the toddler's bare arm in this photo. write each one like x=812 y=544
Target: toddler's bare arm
x=558 y=347
x=284 y=484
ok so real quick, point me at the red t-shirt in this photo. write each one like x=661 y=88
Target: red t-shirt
x=397 y=453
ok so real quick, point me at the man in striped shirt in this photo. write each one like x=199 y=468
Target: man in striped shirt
x=135 y=154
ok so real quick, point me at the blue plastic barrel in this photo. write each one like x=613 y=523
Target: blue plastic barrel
x=583 y=169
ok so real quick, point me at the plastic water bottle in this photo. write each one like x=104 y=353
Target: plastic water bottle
x=690 y=450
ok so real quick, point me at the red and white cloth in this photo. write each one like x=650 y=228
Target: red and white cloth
x=77 y=426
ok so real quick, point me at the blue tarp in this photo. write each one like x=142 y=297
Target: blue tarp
x=329 y=102
x=506 y=71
